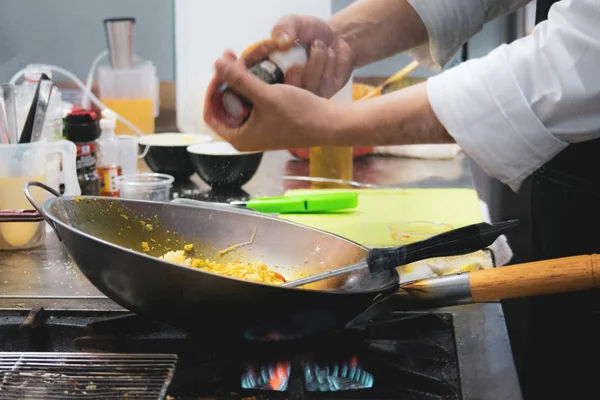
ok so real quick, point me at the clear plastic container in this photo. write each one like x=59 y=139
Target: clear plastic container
x=52 y=129
x=25 y=92
x=19 y=164
x=149 y=187
x=131 y=93
x=407 y=232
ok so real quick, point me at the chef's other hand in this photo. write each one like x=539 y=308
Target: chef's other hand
x=283 y=116
x=331 y=60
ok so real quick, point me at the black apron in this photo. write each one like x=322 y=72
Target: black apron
x=560 y=358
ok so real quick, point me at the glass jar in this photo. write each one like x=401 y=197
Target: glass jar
x=333 y=162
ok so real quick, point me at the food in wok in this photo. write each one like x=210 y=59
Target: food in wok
x=252 y=271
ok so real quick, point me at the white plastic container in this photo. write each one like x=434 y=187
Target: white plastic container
x=19 y=164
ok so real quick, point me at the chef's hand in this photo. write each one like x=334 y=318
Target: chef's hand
x=331 y=60
x=282 y=117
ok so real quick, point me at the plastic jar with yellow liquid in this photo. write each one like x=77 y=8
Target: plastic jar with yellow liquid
x=132 y=93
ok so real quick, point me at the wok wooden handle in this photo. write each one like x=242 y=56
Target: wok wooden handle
x=567 y=274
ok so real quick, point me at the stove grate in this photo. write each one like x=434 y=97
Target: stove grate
x=34 y=376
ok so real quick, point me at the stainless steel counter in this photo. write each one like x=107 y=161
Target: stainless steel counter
x=46 y=277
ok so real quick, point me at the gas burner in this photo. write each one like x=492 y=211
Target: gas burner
x=267 y=377
x=337 y=376
x=333 y=376
x=403 y=356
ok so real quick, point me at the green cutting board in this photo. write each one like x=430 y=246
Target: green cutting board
x=378 y=208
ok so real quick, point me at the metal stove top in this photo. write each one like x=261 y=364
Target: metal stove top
x=402 y=356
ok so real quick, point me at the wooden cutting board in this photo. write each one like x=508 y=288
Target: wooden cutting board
x=378 y=208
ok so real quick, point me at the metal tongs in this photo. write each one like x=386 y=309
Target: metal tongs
x=456 y=242
x=4 y=132
x=34 y=124
x=8 y=114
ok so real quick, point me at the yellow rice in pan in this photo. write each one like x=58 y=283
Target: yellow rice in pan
x=252 y=271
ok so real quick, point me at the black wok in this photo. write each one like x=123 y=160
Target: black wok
x=103 y=237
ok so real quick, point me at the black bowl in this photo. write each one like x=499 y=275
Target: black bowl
x=168 y=155
x=223 y=167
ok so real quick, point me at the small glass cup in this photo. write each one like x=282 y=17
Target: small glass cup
x=149 y=187
x=406 y=232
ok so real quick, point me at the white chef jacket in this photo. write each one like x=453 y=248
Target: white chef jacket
x=516 y=108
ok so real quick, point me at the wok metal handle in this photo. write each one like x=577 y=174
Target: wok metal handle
x=37 y=207
x=459 y=241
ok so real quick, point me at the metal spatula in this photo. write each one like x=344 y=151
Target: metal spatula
x=456 y=242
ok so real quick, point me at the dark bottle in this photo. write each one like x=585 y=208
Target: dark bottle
x=81 y=128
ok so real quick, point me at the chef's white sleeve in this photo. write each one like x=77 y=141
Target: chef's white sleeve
x=516 y=108
x=450 y=23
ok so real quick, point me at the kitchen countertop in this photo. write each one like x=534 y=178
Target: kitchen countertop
x=46 y=277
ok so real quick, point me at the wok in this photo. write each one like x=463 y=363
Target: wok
x=103 y=237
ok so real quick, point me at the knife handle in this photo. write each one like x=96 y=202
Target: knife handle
x=308 y=203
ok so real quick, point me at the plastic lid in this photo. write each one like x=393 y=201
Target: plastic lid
x=81 y=126
x=109 y=119
x=109 y=114
x=108 y=124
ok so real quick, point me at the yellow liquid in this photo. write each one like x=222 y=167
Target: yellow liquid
x=140 y=112
x=15 y=235
x=332 y=163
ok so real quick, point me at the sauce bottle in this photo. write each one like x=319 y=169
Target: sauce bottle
x=271 y=70
x=81 y=128
x=108 y=168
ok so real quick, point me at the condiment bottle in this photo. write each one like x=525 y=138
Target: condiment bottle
x=81 y=128
x=333 y=162
x=272 y=71
x=108 y=167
